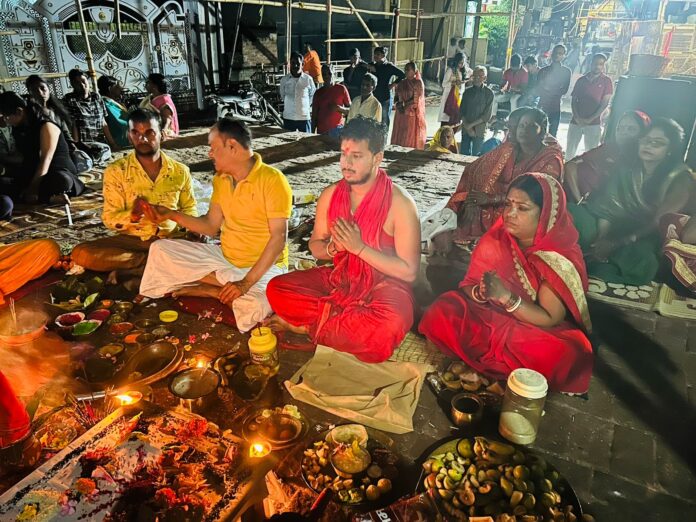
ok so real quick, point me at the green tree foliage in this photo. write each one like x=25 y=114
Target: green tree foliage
x=495 y=28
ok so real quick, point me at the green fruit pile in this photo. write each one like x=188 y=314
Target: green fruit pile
x=486 y=477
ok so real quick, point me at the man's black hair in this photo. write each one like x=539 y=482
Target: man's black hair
x=235 y=129
x=295 y=54
x=10 y=102
x=381 y=49
x=372 y=78
x=360 y=128
x=74 y=74
x=531 y=59
x=354 y=52
x=515 y=60
x=144 y=116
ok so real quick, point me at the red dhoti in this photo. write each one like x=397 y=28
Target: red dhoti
x=370 y=328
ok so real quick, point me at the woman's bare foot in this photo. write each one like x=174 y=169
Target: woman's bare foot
x=200 y=290
x=278 y=324
x=112 y=278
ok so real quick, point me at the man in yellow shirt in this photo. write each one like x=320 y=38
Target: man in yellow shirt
x=147 y=174
x=250 y=207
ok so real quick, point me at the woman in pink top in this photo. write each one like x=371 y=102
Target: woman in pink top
x=159 y=101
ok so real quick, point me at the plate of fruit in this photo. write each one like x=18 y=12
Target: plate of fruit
x=468 y=477
x=357 y=463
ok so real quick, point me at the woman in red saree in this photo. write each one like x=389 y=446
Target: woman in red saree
x=588 y=172
x=409 y=119
x=522 y=302
x=478 y=200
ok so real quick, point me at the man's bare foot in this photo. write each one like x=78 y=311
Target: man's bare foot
x=278 y=324
x=200 y=290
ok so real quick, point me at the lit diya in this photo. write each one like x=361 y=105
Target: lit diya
x=259 y=449
x=128 y=399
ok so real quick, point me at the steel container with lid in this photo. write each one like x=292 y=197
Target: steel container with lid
x=523 y=406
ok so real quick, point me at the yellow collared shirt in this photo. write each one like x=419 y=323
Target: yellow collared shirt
x=125 y=180
x=247 y=206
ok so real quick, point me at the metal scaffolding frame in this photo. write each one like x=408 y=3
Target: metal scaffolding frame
x=416 y=15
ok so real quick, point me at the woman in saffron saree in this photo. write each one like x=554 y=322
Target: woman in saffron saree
x=522 y=302
x=478 y=200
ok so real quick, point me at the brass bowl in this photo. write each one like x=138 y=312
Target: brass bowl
x=145 y=324
x=466 y=409
x=122 y=307
x=150 y=364
x=196 y=388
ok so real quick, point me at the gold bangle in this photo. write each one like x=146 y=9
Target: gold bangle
x=518 y=302
x=476 y=295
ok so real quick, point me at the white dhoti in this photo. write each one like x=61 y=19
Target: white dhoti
x=175 y=263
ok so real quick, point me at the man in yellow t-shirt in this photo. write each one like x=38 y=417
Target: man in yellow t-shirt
x=250 y=207
x=146 y=174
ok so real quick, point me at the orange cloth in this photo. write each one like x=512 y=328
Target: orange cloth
x=312 y=66
x=409 y=123
x=22 y=262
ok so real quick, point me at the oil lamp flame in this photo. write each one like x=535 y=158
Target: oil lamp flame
x=129 y=398
x=259 y=449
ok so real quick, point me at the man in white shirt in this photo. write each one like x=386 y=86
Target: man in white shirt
x=366 y=105
x=297 y=90
x=452 y=48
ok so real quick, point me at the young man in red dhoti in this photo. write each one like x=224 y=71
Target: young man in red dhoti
x=369 y=227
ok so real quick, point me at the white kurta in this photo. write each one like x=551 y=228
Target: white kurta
x=450 y=76
x=175 y=263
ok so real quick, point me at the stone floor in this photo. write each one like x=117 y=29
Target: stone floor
x=628 y=449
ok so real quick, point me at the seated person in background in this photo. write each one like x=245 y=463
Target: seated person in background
x=619 y=227
x=586 y=173
x=330 y=104
x=443 y=141
x=47 y=173
x=678 y=268
x=366 y=105
x=251 y=203
x=354 y=73
x=41 y=94
x=480 y=194
x=514 y=84
x=146 y=174
x=522 y=303
x=312 y=64
x=160 y=102
x=88 y=115
x=475 y=111
x=369 y=227
x=21 y=262
x=110 y=90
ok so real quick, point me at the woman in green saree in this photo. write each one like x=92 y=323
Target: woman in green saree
x=619 y=227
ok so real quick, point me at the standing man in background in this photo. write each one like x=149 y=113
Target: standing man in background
x=331 y=103
x=354 y=73
x=312 y=64
x=475 y=111
x=591 y=96
x=514 y=84
x=297 y=90
x=385 y=71
x=553 y=84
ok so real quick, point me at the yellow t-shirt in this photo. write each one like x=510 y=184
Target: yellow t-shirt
x=264 y=194
x=125 y=179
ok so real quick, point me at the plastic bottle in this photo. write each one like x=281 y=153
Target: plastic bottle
x=523 y=406
x=263 y=349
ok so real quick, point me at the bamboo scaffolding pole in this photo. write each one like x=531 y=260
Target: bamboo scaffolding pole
x=451 y=15
x=288 y=31
x=334 y=40
x=328 y=31
x=396 y=30
x=117 y=9
x=314 y=7
x=88 y=49
x=43 y=75
x=362 y=22
x=511 y=34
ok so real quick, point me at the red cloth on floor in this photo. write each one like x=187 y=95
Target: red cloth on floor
x=14 y=419
x=353 y=307
x=493 y=341
x=200 y=305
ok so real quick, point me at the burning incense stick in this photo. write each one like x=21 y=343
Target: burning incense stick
x=13 y=313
